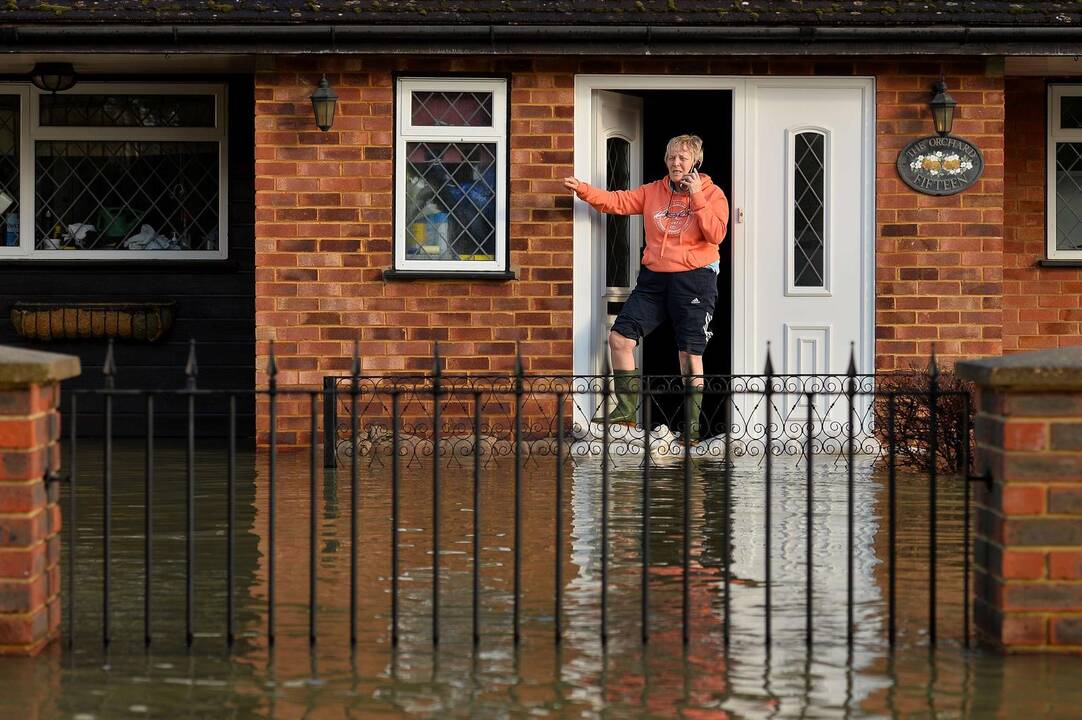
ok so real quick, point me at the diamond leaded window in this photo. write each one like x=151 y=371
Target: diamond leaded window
x=809 y=210
x=1064 y=217
x=122 y=171
x=808 y=243
x=451 y=175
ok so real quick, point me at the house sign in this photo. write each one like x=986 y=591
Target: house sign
x=940 y=165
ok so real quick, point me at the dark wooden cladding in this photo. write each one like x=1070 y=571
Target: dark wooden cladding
x=215 y=304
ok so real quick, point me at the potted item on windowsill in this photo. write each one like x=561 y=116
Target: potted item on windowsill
x=136 y=321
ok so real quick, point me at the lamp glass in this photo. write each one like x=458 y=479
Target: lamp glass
x=942 y=105
x=324 y=103
x=53 y=77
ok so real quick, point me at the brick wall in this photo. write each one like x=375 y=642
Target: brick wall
x=1028 y=549
x=1041 y=306
x=939 y=260
x=324 y=224
x=29 y=519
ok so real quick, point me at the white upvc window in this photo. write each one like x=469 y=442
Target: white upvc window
x=114 y=171
x=1064 y=166
x=451 y=175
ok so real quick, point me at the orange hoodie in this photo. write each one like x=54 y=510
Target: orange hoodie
x=677 y=238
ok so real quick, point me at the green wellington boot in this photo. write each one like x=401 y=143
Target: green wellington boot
x=626 y=383
x=695 y=407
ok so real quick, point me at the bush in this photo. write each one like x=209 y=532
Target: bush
x=912 y=420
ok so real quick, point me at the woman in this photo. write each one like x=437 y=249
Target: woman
x=685 y=216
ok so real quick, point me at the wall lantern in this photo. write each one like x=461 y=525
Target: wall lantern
x=323 y=104
x=53 y=77
x=942 y=105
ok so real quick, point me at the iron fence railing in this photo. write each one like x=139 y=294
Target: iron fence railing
x=539 y=420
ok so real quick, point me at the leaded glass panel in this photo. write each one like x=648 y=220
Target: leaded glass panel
x=451 y=201
x=455 y=109
x=1070 y=111
x=809 y=173
x=1069 y=196
x=93 y=195
x=9 y=170
x=618 y=227
x=117 y=110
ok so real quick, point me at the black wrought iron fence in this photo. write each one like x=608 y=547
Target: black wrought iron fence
x=528 y=419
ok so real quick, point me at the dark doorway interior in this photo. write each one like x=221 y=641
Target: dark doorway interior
x=708 y=114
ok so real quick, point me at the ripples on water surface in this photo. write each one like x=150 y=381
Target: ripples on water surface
x=575 y=679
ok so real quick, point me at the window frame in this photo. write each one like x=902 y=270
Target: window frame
x=791 y=288
x=32 y=131
x=499 y=133
x=1055 y=135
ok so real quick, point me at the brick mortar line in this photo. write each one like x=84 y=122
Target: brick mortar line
x=25 y=515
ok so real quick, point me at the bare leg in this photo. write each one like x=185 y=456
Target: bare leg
x=622 y=352
x=691 y=365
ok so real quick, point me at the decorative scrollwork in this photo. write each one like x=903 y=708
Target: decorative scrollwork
x=743 y=415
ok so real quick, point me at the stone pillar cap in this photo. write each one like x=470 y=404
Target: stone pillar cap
x=19 y=366
x=1041 y=370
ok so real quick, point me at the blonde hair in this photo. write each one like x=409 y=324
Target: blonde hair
x=694 y=143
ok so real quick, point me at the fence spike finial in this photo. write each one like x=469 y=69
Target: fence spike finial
x=191 y=368
x=606 y=365
x=437 y=361
x=852 y=370
x=768 y=370
x=355 y=366
x=519 y=368
x=108 y=368
x=933 y=365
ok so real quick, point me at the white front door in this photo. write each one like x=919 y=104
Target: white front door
x=810 y=238
x=617 y=165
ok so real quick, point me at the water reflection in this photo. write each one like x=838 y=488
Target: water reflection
x=577 y=678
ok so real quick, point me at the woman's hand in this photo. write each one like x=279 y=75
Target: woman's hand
x=572 y=183
x=692 y=182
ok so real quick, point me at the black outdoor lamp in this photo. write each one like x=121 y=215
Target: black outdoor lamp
x=942 y=105
x=323 y=104
x=53 y=77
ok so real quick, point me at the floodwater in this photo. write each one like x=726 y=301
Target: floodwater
x=579 y=678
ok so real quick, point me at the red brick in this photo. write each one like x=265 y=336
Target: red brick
x=1018 y=565
x=1067 y=630
x=1065 y=565
x=1030 y=436
x=23 y=629
x=1024 y=630
x=1023 y=500
x=23 y=596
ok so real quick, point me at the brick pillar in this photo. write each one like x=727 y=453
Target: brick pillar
x=29 y=514
x=1028 y=585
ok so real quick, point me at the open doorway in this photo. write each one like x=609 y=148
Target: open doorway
x=708 y=114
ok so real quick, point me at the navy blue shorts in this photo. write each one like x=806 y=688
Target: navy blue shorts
x=685 y=298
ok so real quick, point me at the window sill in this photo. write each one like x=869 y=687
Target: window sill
x=1060 y=263
x=498 y=276
x=141 y=265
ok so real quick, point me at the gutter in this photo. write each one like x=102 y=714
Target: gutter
x=527 y=39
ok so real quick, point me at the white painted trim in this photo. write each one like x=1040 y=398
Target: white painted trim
x=865 y=354
x=33 y=132
x=26 y=189
x=791 y=289
x=496 y=134
x=1055 y=135
x=586 y=297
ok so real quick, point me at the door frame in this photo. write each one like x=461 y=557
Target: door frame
x=588 y=265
